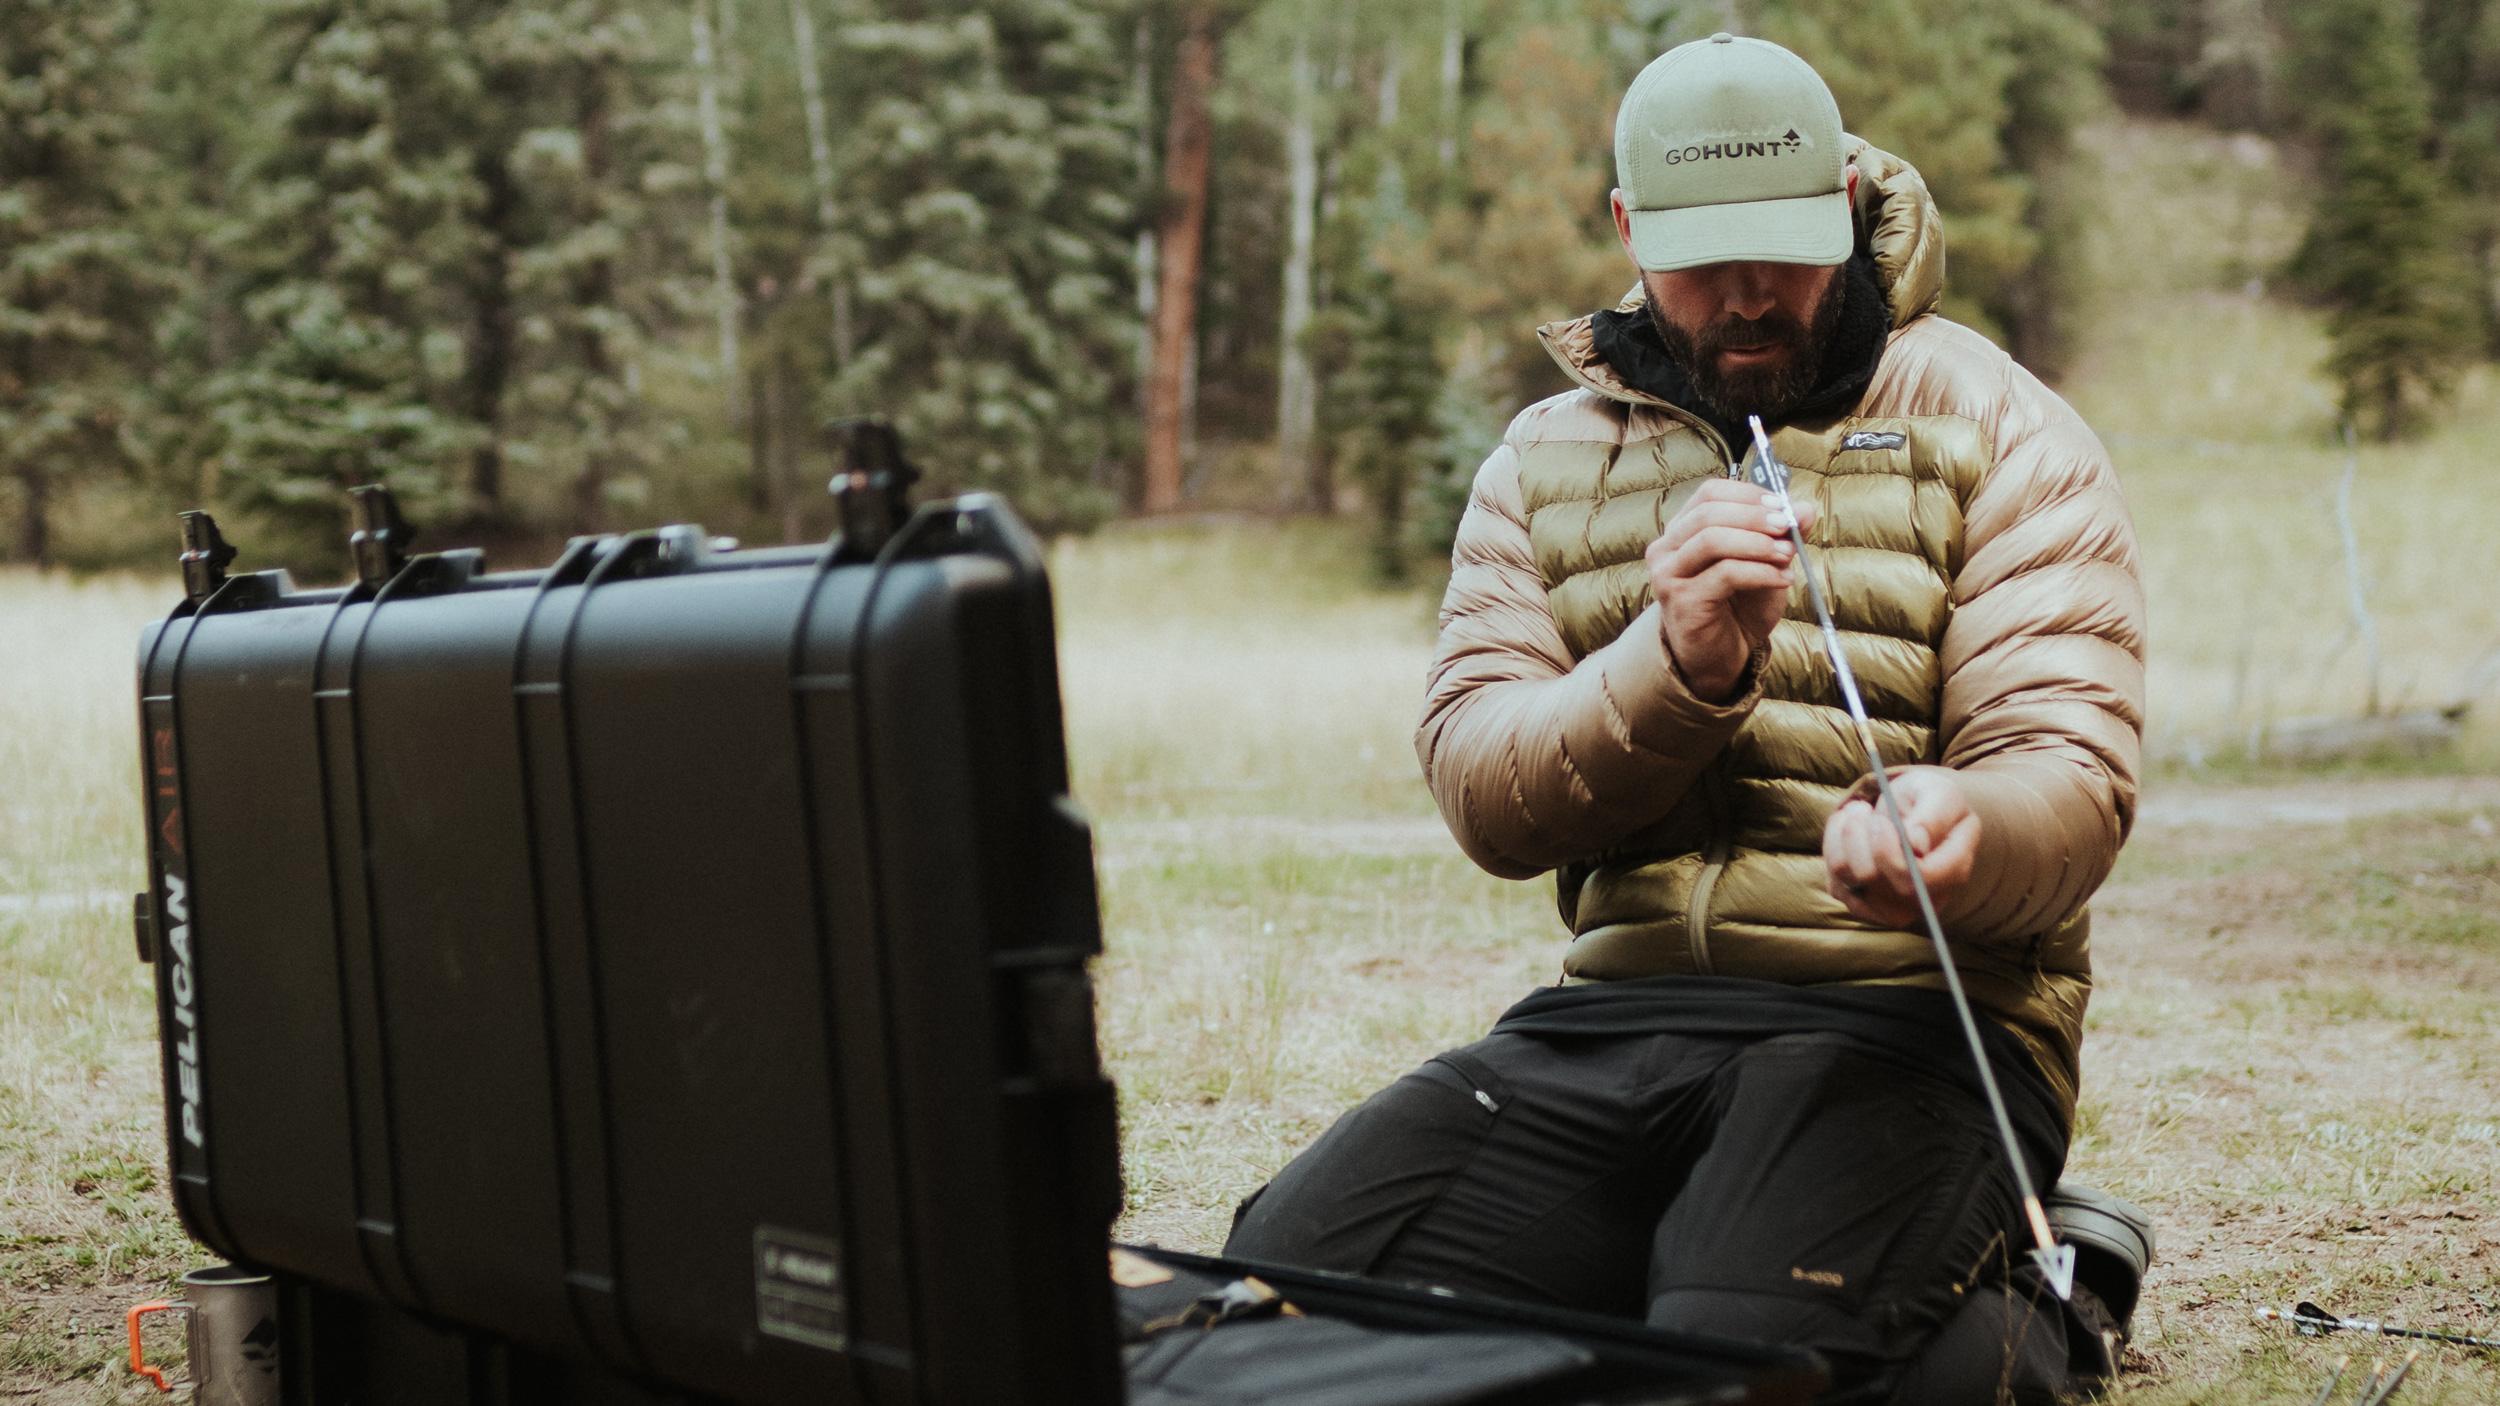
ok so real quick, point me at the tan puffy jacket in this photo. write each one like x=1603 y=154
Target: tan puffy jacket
x=1983 y=570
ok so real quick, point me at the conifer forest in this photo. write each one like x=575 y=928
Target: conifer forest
x=554 y=266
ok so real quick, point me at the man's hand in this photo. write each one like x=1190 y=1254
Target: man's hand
x=1862 y=853
x=1720 y=572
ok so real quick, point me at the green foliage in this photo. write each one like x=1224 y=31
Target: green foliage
x=1381 y=380
x=355 y=243
x=2461 y=60
x=1522 y=237
x=987 y=181
x=2383 y=249
x=458 y=245
x=591 y=245
x=73 y=272
x=1993 y=134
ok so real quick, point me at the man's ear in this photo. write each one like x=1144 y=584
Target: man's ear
x=1857 y=217
x=1623 y=219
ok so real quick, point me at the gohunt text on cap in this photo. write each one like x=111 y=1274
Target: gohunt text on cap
x=1729 y=148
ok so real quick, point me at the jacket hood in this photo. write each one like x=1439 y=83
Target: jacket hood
x=1897 y=224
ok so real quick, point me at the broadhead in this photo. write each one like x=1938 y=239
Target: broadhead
x=2057 y=1266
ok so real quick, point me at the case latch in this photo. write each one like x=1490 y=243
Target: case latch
x=871 y=484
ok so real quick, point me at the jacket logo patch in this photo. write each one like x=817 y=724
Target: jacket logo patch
x=1875 y=439
x=1823 y=1277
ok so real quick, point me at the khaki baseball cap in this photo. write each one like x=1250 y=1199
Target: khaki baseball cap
x=1729 y=148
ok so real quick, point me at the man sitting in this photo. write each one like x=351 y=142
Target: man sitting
x=1749 y=1110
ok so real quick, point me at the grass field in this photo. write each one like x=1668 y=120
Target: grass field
x=2293 y=1059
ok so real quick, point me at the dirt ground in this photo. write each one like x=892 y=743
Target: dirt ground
x=2293 y=1062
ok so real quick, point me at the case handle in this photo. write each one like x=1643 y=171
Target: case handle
x=138 y=1354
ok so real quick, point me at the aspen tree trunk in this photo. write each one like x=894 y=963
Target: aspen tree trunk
x=1390 y=68
x=716 y=175
x=763 y=414
x=1143 y=79
x=34 y=523
x=595 y=287
x=1453 y=74
x=1389 y=187
x=1297 y=394
x=1188 y=156
x=820 y=164
x=493 y=332
x=786 y=447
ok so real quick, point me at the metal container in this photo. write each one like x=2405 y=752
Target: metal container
x=233 y=1336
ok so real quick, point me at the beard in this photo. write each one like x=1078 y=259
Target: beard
x=1770 y=390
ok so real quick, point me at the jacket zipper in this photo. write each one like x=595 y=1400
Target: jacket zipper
x=1715 y=856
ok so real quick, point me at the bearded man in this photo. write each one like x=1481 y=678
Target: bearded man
x=1748 y=1109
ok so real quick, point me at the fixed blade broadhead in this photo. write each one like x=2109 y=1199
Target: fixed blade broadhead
x=2057 y=1266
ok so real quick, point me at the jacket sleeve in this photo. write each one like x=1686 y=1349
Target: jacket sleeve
x=1535 y=760
x=2043 y=708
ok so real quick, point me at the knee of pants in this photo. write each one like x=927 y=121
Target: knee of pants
x=1341 y=1203
x=1792 y=1319
x=1999 y=1347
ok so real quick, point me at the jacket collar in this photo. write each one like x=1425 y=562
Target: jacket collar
x=1899 y=227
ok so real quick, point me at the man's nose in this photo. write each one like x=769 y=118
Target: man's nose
x=1745 y=291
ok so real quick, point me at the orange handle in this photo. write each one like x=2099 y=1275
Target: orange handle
x=138 y=1357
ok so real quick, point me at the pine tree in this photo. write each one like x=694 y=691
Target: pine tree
x=591 y=279
x=1381 y=401
x=2382 y=249
x=1992 y=133
x=206 y=115
x=358 y=243
x=75 y=286
x=988 y=166
x=2461 y=58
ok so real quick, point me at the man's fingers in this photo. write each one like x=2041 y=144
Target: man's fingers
x=1890 y=862
x=1857 y=846
x=1952 y=858
x=1869 y=872
x=1728 y=578
x=1748 y=516
x=1929 y=804
x=1712 y=545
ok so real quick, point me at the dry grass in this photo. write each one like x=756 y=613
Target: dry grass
x=2290 y=1060
x=2225 y=437
x=84 y=1226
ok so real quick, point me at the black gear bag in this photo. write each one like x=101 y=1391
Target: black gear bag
x=657 y=977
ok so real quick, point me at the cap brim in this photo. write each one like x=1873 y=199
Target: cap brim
x=1811 y=229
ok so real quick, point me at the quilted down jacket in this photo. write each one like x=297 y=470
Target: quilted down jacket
x=1983 y=570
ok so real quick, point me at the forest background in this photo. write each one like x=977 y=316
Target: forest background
x=1232 y=298
x=553 y=266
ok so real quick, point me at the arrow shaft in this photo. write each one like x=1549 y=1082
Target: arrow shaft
x=1776 y=479
x=2384 y=1330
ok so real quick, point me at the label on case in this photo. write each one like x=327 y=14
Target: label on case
x=175 y=938
x=798 y=1288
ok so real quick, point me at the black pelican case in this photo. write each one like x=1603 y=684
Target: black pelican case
x=658 y=977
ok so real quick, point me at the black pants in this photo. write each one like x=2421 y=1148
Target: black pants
x=1811 y=1189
